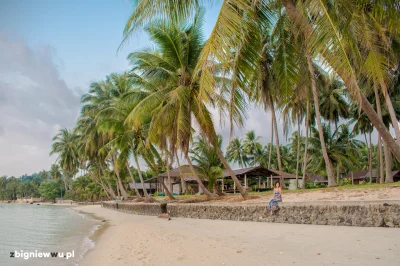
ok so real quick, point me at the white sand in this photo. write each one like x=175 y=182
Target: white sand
x=145 y=240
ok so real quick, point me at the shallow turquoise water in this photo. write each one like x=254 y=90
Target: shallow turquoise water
x=31 y=228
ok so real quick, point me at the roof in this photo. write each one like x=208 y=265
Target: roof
x=316 y=177
x=360 y=175
x=257 y=171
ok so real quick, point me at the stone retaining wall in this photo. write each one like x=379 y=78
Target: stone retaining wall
x=368 y=215
x=152 y=209
x=365 y=216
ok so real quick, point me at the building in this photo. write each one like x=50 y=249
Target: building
x=316 y=178
x=252 y=176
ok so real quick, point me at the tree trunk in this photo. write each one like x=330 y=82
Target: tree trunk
x=329 y=169
x=133 y=180
x=198 y=180
x=270 y=147
x=298 y=151
x=388 y=165
x=365 y=105
x=380 y=152
x=278 y=152
x=236 y=181
x=169 y=176
x=160 y=180
x=392 y=113
x=303 y=185
x=183 y=182
x=337 y=174
x=121 y=187
x=141 y=178
x=118 y=190
x=370 y=158
x=379 y=111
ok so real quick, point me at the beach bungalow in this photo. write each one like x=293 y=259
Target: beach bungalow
x=359 y=177
x=316 y=178
x=150 y=187
x=259 y=176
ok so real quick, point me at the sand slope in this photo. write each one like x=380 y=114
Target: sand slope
x=145 y=240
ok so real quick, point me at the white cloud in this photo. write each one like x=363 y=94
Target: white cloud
x=34 y=104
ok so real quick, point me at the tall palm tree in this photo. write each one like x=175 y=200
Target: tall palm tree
x=65 y=145
x=55 y=173
x=251 y=146
x=208 y=164
x=178 y=101
x=235 y=153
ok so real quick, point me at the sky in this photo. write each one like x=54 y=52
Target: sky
x=50 y=52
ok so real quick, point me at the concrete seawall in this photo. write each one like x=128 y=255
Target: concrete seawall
x=363 y=214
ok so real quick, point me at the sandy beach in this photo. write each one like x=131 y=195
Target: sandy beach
x=128 y=239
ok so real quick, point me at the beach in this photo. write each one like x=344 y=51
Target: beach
x=127 y=239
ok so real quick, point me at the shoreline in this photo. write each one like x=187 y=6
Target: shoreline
x=92 y=236
x=127 y=239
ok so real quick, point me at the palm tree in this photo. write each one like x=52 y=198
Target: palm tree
x=251 y=146
x=208 y=164
x=65 y=145
x=235 y=153
x=346 y=35
x=55 y=173
x=178 y=99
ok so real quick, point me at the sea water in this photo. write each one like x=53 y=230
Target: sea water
x=31 y=230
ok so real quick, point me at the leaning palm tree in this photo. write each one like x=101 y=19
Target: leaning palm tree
x=177 y=101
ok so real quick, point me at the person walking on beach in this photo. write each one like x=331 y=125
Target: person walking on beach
x=274 y=203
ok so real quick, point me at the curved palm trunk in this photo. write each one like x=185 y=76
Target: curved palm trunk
x=133 y=179
x=141 y=178
x=239 y=186
x=329 y=168
x=298 y=152
x=121 y=187
x=198 y=180
x=183 y=183
x=392 y=113
x=365 y=105
x=303 y=185
x=110 y=189
x=160 y=180
x=100 y=182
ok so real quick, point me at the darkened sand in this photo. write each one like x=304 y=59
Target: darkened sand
x=145 y=240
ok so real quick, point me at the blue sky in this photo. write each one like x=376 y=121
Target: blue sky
x=50 y=52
